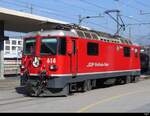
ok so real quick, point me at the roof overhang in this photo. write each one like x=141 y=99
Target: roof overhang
x=24 y=22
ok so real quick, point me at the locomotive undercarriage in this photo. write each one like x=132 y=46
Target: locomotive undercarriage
x=63 y=86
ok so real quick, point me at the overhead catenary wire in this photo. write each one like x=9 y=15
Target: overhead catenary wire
x=48 y=11
x=142 y=3
x=39 y=6
x=128 y=5
x=139 y=22
x=77 y=7
x=93 y=4
x=131 y=18
x=58 y=12
x=104 y=8
x=102 y=26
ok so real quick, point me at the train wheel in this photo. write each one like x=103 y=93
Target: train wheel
x=128 y=80
x=66 y=90
x=118 y=81
x=87 y=86
x=93 y=84
x=121 y=81
x=136 y=79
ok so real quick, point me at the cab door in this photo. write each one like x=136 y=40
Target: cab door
x=74 y=58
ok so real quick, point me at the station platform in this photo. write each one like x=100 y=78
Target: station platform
x=9 y=83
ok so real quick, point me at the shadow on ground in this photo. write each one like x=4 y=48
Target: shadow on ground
x=20 y=90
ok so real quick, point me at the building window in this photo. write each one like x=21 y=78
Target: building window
x=7 y=42
x=13 y=48
x=7 y=47
x=126 y=51
x=13 y=42
x=92 y=49
x=19 y=42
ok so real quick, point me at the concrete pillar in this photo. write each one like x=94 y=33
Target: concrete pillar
x=1 y=50
x=2 y=60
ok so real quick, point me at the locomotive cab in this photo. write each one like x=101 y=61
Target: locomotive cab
x=40 y=54
x=44 y=59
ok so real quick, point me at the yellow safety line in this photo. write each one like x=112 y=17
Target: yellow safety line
x=86 y=108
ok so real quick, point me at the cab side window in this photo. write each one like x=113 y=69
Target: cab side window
x=62 y=46
x=126 y=51
x=92 y=49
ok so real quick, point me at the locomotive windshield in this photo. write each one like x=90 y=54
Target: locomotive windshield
x=29 y=46
x=48 y=46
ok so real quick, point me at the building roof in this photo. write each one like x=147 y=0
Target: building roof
x=24 y=22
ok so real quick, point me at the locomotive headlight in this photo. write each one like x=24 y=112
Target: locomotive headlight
x=53 y=67
x=36 y=62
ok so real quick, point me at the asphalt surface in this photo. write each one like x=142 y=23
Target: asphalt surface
x=133 y=97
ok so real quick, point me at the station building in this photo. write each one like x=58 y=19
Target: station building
x=13 y=48
x=12 y=55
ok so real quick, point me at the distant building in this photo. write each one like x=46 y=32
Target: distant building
x=13 y=48
x=146 y=50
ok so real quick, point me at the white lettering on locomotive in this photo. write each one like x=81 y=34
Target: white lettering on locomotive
x=51 y=60
x=97 y=64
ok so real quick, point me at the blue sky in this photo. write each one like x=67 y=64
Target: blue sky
x=69 y=11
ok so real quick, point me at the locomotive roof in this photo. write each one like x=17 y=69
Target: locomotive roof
x=52 y=33
x=82 y=33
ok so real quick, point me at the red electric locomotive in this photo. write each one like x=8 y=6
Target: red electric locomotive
x=58 y=61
